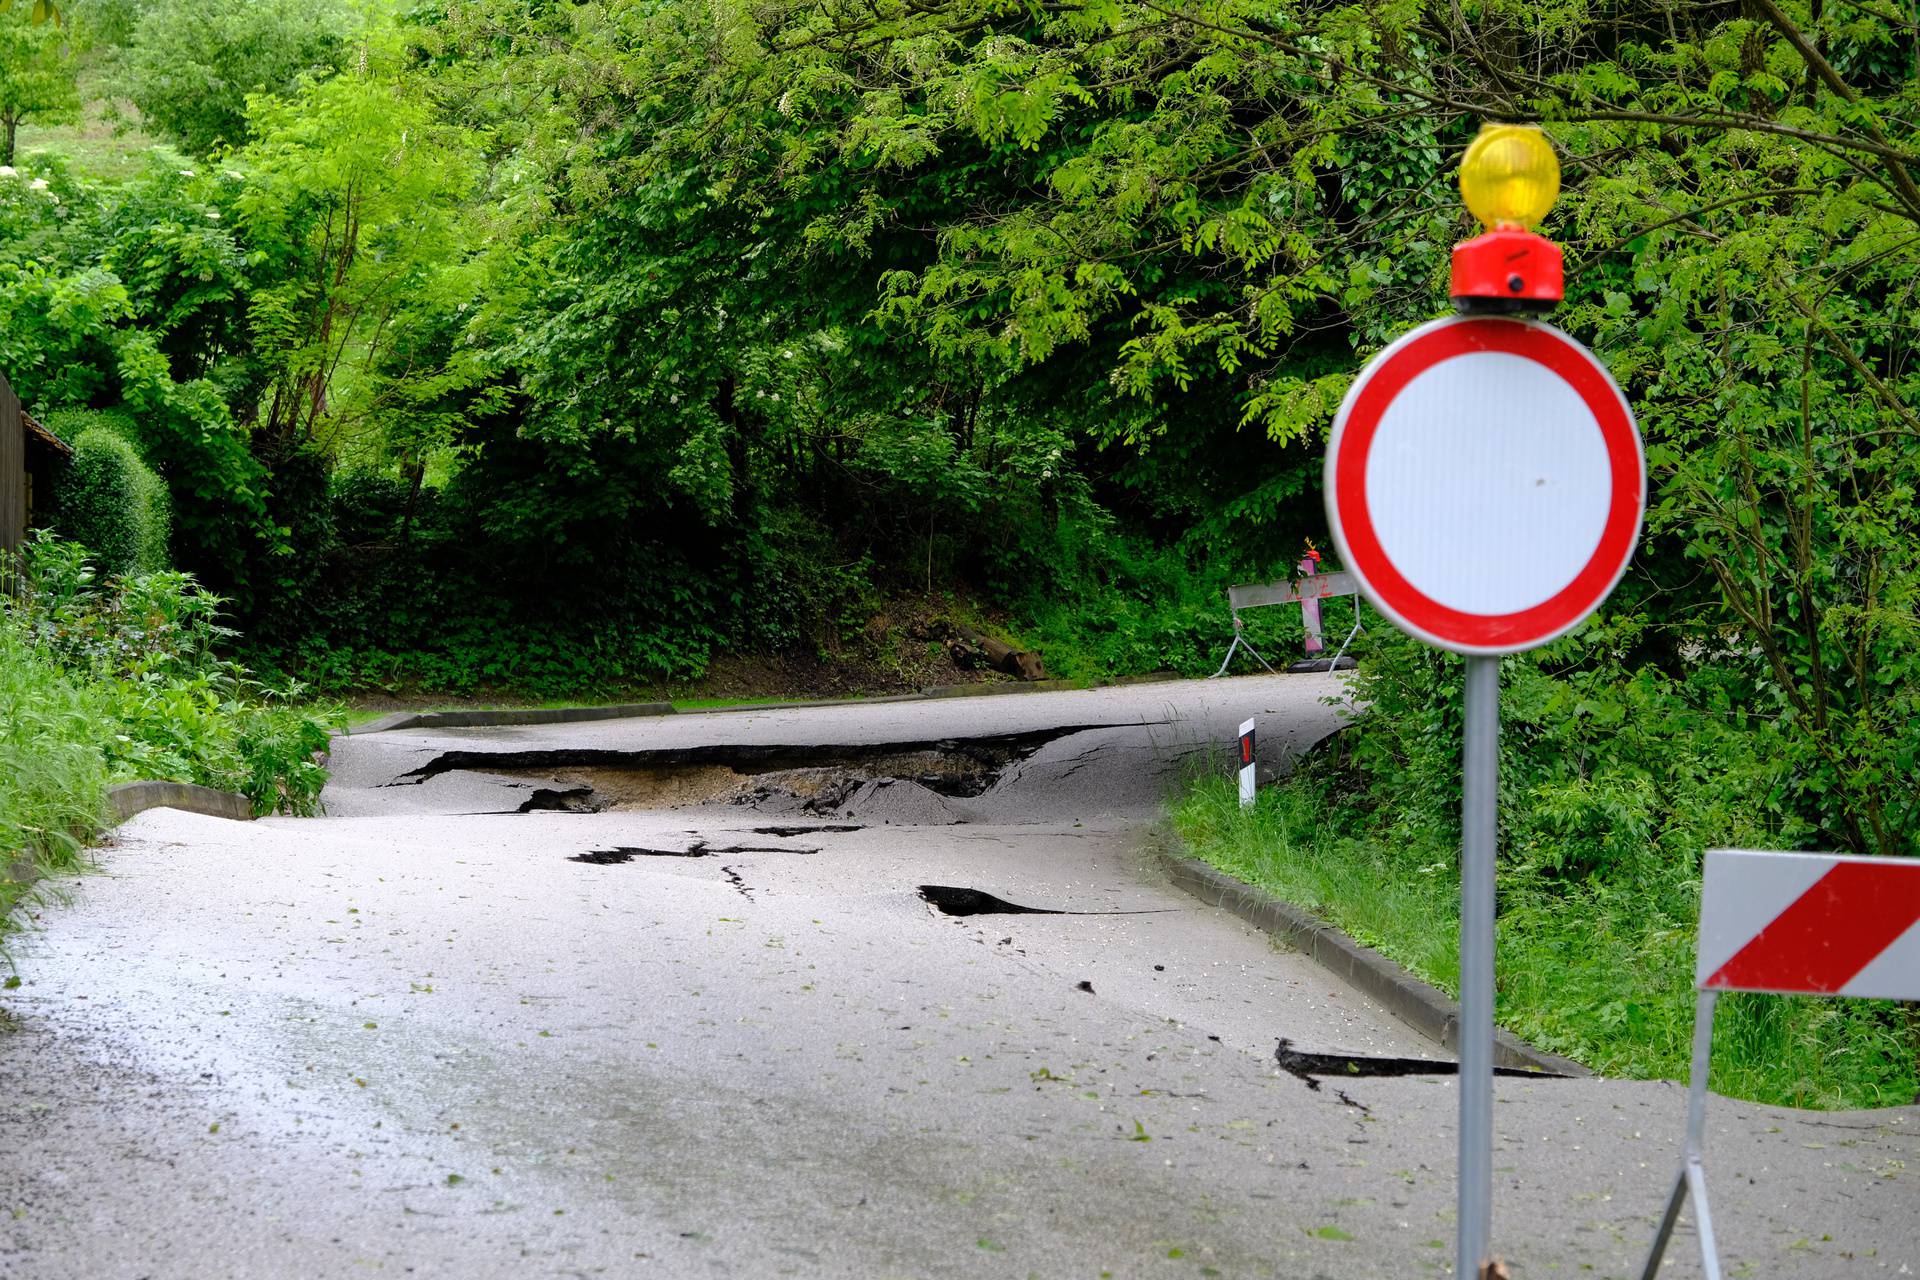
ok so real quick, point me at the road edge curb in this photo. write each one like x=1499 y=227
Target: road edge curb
x=126 y=799
x=1422 y=1006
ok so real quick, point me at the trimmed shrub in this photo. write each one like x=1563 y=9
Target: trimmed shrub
x=113 y=504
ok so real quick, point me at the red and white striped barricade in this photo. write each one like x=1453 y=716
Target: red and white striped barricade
x=1307 y=590
x=1797 y=924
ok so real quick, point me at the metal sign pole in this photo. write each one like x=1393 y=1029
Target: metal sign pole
x=1479 y=835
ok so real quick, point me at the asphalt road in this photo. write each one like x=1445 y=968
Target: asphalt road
x=691 y=1015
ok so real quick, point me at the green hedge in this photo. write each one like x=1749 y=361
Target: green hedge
x=110 y=501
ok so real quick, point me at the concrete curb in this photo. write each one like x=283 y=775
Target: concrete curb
x=1425 y=1008
x=130 y=798
x=126 y=799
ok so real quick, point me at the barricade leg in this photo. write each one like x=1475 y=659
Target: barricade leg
x=1692 y=1178
x=1240 y=642
x=1335 y=664
x=1667 y=1222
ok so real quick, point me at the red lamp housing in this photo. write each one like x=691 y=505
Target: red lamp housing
x=1505 y=270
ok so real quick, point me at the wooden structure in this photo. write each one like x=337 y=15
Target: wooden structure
x=30 y=455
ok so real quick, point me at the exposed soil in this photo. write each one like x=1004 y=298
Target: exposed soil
x=916 y=778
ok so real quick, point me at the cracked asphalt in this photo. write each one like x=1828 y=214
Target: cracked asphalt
x=428 y=1035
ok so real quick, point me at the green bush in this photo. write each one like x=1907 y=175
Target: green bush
x=112 y=503
x=161 y=701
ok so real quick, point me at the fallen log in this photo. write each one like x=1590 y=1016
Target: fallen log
x=1001 y=656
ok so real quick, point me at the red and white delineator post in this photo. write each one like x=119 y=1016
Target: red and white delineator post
x=1246 y=765
x=1796 y=924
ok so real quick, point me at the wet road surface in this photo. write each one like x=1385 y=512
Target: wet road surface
x=736 y=1013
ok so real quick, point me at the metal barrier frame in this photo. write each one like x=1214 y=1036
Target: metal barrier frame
x=1254 y=596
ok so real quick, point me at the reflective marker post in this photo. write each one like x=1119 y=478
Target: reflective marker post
x=1247 y=779
x=1479 y=840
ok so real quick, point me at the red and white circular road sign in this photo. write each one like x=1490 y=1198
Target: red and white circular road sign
x=1485 y=483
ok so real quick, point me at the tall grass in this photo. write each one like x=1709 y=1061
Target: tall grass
x=53 y=775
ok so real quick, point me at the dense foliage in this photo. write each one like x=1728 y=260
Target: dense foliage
x=189 y=65
x=145 y=652
x=569 y=346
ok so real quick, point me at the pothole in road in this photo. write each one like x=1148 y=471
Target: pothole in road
x=956 y=900
x=1313 y=1067
x=560 y=800
x=698 y=849
x=951 y=900
x=901 y=781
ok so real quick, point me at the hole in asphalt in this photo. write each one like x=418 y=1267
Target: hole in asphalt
x=698 y=849
x=569 y=800
x=1310 y=1066
x=806 y=831
x=627 y=853
x=954 y=900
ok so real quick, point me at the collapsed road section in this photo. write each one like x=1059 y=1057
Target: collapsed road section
x=910 y=781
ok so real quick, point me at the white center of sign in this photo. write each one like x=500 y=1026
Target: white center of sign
x=1488 y=483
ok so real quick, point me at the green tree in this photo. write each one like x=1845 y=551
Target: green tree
x=38 y=66
x=191 y=63
x=353 y=208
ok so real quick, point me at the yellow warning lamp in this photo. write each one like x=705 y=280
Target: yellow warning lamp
x=1509 y=179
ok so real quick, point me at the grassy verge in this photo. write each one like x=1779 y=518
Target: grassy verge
x=53 y=776
x=1601 y=971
